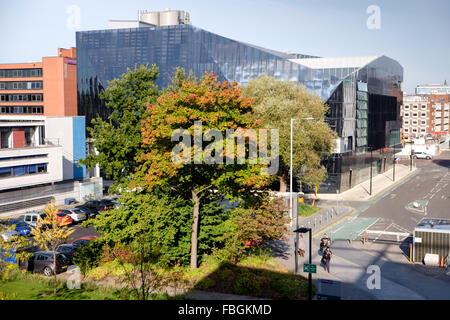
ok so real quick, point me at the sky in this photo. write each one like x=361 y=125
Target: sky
x=415 y=32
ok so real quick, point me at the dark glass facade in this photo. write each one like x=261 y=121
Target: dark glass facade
x=362 y=99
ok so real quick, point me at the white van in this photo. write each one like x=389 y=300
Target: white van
x=32 y=218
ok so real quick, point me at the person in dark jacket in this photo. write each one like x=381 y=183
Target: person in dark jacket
x=326 y=258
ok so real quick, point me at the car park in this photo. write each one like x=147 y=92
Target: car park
x=32 y=218
x=68 y=250
x=422 y=155
x=20 y=226
x=90 y=212
x=42 y=262
x=9 y=235
x=76 y=214
x=84 y=241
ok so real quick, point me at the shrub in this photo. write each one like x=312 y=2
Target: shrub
x=205 y=284
x=246 y=283
x=88 y=257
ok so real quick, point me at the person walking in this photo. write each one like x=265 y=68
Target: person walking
x=326 y=258
x=301 y=246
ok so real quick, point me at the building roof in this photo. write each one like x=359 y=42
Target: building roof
x=336 y=62
x=434 y=224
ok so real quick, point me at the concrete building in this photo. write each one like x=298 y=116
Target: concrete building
x=363 y=93
x=41 y=136
x=428 y=89
x=425 y=116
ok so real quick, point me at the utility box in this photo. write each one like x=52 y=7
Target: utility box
x=431 y=236
x=328 y=289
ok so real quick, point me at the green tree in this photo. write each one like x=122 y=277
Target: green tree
x=275 y=102
x=51 y=232
x=118 y=141
x=216 y=105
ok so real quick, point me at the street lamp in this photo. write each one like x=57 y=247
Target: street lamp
x=290 y=191
x=370 y=192
x=290 y=170
x=304 y=230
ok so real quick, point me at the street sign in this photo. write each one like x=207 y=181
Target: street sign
x=309 y=268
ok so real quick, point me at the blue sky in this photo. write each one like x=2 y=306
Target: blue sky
x=415 y=33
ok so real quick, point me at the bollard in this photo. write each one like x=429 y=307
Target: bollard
x=410 y=252
x=367 y=236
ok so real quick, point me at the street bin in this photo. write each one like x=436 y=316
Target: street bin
x=68 y=201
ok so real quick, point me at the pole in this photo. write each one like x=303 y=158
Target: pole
x=370 y=193
x=393 y=167
x=290 y=171
x=310 y=262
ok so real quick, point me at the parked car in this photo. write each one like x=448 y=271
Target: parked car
x=42 y=261
x=68 y=250
x=90 y=212
x=32 y=218
x=20 y=226
x=422 y=155
x=84 y=241
x=76 y=214
x=99 y=205
x=9 y=235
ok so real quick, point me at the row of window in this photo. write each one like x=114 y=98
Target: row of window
x=21 y=97
x=28 y=85
x=22 y=110
x=20 y=73
x=23 y=170
x=414 y=122
x=415 y=130
x=416 y=107
x=415 y=114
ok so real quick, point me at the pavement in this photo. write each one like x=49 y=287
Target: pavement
x=380 y=183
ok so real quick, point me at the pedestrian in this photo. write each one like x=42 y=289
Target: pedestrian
x=326 y=258
x=301 y=246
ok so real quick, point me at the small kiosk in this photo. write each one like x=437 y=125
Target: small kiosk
x=432 y=236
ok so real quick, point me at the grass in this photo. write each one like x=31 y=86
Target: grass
x=305 y=210
x=26 y=286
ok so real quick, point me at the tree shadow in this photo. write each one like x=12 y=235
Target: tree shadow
x=237 y=280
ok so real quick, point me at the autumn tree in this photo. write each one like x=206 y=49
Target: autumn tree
x=191 y=105
x=275 y=102
x=118 y=140
x=12 y=250
x=52 y=232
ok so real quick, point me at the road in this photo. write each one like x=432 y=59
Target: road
x=394 y=213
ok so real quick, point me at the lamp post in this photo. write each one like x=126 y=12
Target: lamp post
x=393 y=167
x=370 y=192
x=290 y=191
x=304 y=230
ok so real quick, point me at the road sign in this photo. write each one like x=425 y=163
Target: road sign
x=309 y=268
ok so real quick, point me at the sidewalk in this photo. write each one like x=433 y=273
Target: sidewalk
x=380 y=183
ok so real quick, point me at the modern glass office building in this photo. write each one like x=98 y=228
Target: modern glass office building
x=363 y=93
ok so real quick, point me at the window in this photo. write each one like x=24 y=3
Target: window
x=5 y=172
x=423 y=106
x=414 y=114
x=423 y=114
x=414 y=130
x=406 y=130
x=406 y=114
x=406 y=106
x=415 y=106
x=423 y=122
x=422 y=130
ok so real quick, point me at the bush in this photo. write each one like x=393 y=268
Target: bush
x=246 y=283
x=205 y=284
x=88 y=257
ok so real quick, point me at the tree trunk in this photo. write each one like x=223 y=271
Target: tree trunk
x=283 y=183
x=194 y=236
x=54 y=271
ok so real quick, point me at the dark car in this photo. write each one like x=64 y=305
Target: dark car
x=42 y=262
x=81 y=242
x=99 y=205
x=90 y=212
x=68 y=250
x=20 y=226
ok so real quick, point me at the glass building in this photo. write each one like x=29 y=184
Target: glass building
x=363 y=93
